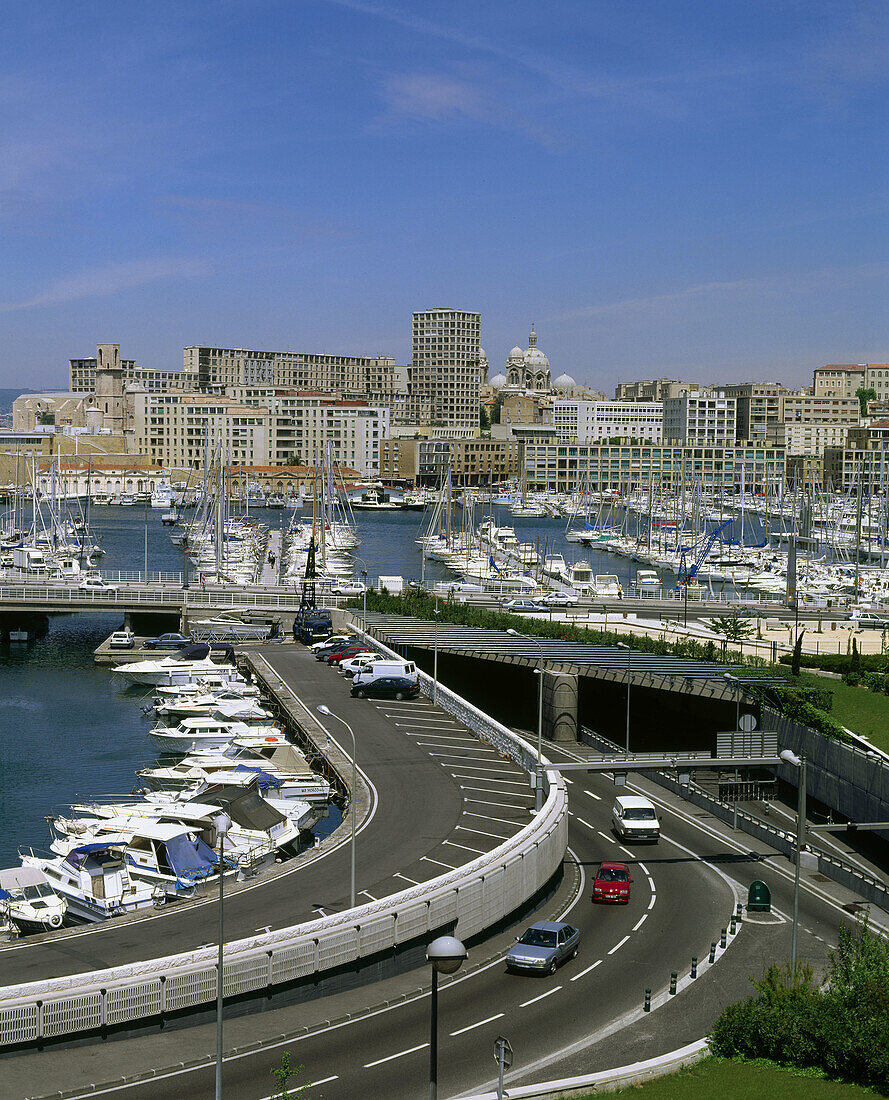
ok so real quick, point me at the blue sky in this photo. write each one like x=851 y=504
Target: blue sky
x=690 y=189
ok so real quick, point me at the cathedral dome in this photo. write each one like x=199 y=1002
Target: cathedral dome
x=564 y=382
x=498 y=381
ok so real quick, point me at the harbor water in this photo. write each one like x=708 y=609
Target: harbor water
x=69 y=731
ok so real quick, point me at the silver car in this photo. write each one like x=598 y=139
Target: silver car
x=543 y=947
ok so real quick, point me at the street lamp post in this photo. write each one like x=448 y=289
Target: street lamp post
x=329 y=713
x=363 y=575
x=222 y=824
x=623 y=645
x=446 y=955
x=436 y=613
x=798 y=762
x=538 y=784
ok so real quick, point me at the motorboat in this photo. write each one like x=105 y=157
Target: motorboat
x=95 y=881
x=209 y=704
x=231 y=628
x=205 y=733
x=28 y=902
x=187 y=665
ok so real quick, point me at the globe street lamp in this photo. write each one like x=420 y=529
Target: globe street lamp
x=446 y=955
x=221 y=823
x=322 y=709
x=538 y=787
x=623 y=645
x=798 y=762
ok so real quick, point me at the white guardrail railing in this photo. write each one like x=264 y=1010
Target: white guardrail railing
x=472 y=898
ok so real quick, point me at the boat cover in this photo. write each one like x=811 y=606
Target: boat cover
x=263 y=778
x=197 y=652
x=190 y=857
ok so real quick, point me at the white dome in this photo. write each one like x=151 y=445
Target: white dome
x=564 y=382
x=535 y=357
x=498 y=381
x=481 y=353
x=516 y=353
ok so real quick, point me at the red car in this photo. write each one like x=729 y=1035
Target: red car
x=349 y=651
x=612 y=882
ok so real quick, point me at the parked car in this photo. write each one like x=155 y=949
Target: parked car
x=96 y=584
x=122 y=639
x=350 y=665
x=387 y=687
x=343 y=654
x=170 y=640
x=347 y=588
x=326 y=651
x=612 y=883
x=521 y=607
x=331 y=639
x=543 y=947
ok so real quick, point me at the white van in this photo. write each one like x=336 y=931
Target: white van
x=635 y=818
x=388 y=667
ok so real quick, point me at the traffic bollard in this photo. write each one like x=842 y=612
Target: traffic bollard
x=732 y=926
x=722 y=940
x=739 y=913
x=673 y=976
x=713 y=951
x=694 y=966
x=647 y=1006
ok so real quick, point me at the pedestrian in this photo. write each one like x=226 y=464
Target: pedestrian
x=620 y=592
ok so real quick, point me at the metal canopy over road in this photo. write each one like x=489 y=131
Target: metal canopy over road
x=498 y=645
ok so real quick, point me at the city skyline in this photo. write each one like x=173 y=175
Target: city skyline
x=688 y=192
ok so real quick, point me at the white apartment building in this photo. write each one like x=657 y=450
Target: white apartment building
x=694 y=419
x=445 y=358
x=259 y=427
x=601 y=420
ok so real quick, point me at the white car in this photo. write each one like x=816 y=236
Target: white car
x=356 y=664
x=96 y=584
x=347 y=588
x=122 y=639
x=559 y=599
x=330 y=640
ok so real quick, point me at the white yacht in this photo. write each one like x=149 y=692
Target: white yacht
x=28 y=903
x=188 y=665
x=206 y=733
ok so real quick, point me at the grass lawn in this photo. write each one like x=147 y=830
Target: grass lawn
x=856 y=708
x=716 y=1078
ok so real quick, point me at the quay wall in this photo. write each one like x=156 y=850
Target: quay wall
x=466 y=901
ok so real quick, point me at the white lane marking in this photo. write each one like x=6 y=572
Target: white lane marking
x=481 y=1023
x=571 y=813
x=645 y=870
x=503 y=794
x=626 y=851
x=486 y=779
x=570 y=782
x=392 y=1057
x=591 y=827
x=440 y=862
x=618 y=945
x=490 y=817
x=318 y=909
x=653 y=900
x=598 y=962
x=454 y=844
x=454 y=753
x=485 y=802
x=605 y=836
x=482 y=832
x=412 y=881
x=640 y=922
x=367 y=895
x=597 y=797
x=443 y=736
x=472 y=766
x=534 y=1000
x=311 y=1085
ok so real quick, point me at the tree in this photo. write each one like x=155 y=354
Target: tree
x=734 y=628
x=797 y=654
x=495 y=412
x=282 y=1075
x=864 y=395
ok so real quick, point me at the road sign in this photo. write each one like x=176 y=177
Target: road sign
x=503 y=1050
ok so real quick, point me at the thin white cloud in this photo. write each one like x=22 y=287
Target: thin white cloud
x=104 y=281
x=762 y=286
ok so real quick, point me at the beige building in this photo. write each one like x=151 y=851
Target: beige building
x=838 y=379
x=658 y=390
x=445 y=363
x=82 y=373
x=217 y=369
x=472 y=461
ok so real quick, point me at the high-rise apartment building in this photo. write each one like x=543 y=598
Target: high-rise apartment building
x=692 y=419
x=445 y=357
x=82 y=374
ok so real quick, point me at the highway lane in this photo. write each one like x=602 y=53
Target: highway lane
x=419 y=817
x=624 y=949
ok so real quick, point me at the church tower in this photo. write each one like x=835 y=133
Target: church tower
x=109 y=387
